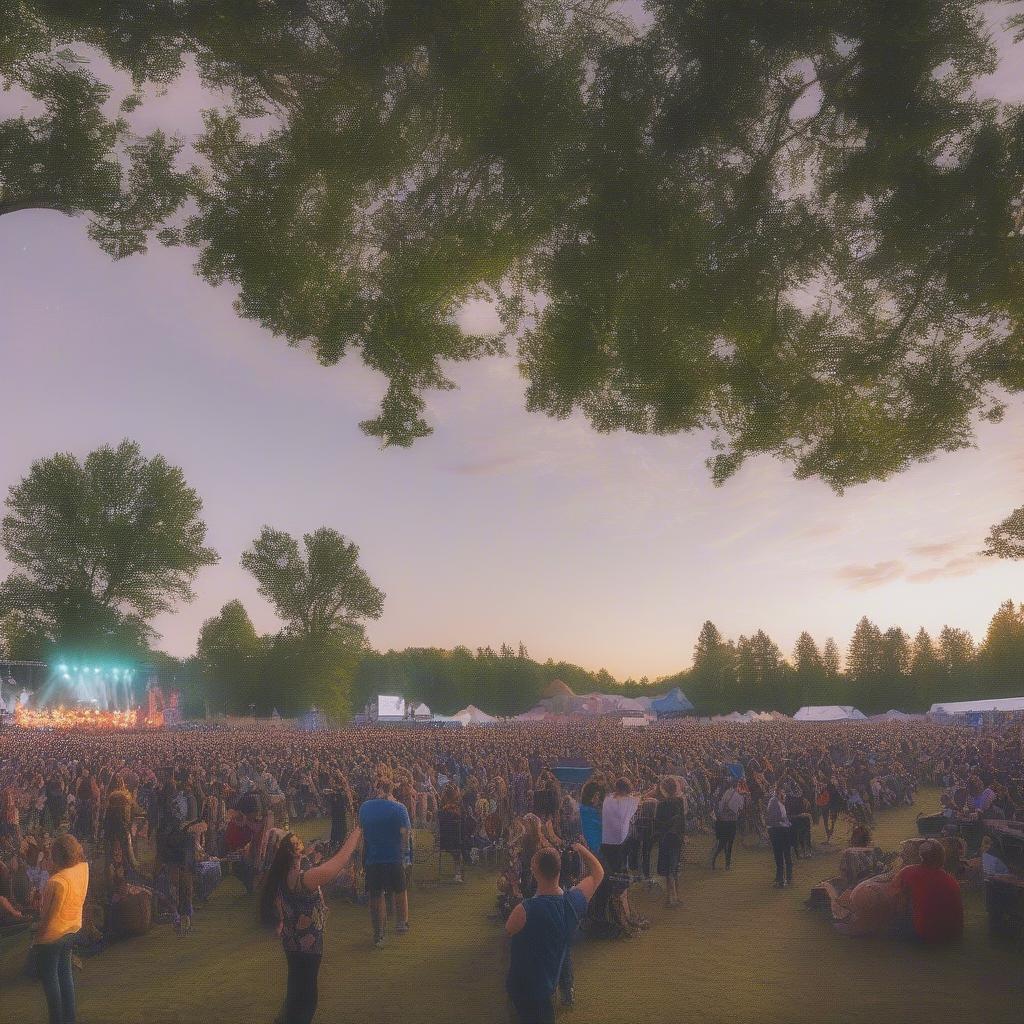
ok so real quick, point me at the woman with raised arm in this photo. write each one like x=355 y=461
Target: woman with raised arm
x=291 y=902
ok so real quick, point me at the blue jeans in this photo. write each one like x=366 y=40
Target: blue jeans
x=53 y=960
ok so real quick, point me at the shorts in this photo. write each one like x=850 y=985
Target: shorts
x=384 y=878
x=669 y=850
x=614 y=856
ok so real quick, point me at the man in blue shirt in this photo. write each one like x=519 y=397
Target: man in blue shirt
x=386 y=829
x=541 y=929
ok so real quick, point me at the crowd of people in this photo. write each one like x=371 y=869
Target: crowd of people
x=103 y=833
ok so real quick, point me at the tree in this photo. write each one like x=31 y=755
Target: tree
x=807 y=658
x=864 y=657
x=926 y=671
x=317 y=594
x=649 y=211
x=70 y=156
x=100 y=547
x=957 y=656
x=830 y=659
x=230 y=656
x=715 y=667
x=323 y=596
x=1002 y=652
x=1006 y=539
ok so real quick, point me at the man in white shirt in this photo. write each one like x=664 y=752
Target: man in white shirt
x=616 y=814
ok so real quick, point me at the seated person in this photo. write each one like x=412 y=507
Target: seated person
x=935 y=899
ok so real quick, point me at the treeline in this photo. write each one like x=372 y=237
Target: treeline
x=881 y=669
x=502 y=682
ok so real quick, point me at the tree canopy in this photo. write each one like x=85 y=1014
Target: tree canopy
x=790 y=223
x=322 y=592
x=99 y=547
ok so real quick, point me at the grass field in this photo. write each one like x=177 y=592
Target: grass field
x=737 y=950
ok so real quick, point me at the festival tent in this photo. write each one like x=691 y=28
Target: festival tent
x=671 y=704
x=966 y=707
x=829 y=713
x=421 y=711
x=472 y=715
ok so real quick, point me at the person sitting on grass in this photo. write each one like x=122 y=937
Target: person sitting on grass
x=936 y=901
x=541 y=929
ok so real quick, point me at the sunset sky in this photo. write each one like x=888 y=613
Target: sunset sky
x=503 y=526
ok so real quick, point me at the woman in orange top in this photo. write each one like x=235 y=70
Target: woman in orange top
x=60 y=920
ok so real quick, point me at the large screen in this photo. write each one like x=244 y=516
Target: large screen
x=390 y=707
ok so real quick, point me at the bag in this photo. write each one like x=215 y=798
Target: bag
x=132 y=915
x=208 y=877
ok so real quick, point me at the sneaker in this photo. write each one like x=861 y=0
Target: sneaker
x=379 y=942
x=569 y=999
x=459 y=878
x=402 y=927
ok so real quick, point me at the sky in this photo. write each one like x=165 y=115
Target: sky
x=606 y=550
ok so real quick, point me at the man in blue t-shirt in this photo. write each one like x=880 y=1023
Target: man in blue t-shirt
x=386 y=830
x=541 y=929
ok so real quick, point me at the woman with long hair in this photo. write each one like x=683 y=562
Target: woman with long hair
x=60 y=920
x=292 y=904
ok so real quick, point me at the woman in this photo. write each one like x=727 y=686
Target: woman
x=591 y=799
x=669 y=829
x=291 y=902
x=340 y=804
x=60 y=920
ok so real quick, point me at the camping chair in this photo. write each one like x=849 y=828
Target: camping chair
x=450 y=843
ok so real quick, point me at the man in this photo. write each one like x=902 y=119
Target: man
x=727 y=812
x=935 y=898
x=386 y=831
x=616 y=815
x=780 y=831
x=541 y=929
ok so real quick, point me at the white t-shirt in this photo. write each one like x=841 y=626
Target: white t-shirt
x=616 y=814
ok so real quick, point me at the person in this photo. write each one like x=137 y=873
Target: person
x=541 y=929
x=669 y=828
x=616 y=815
x=727 y=812
x=386 y=827
x=936 y=903
x=291 y=902
x=591 y=799
x=60 y=920
x=780 y=832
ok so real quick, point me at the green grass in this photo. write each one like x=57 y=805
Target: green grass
x=737 y=950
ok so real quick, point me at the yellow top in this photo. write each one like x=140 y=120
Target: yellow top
x=63 y=899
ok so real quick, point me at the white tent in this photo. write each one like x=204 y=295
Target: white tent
x=472 y=715
x=421 y=711
x=829 y=713
x=966 y=707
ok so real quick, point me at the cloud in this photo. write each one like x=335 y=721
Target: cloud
x=963 y=565
x=863 y=576
x=937 y=550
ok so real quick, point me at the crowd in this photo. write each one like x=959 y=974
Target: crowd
x=101 y=833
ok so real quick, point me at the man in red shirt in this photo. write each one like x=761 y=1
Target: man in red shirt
x=935 y=898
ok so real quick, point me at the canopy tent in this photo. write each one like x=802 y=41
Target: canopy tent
x=965 y=707
x=673 y=703
x=421 y=711
x=829 y=713
x=472 y=715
